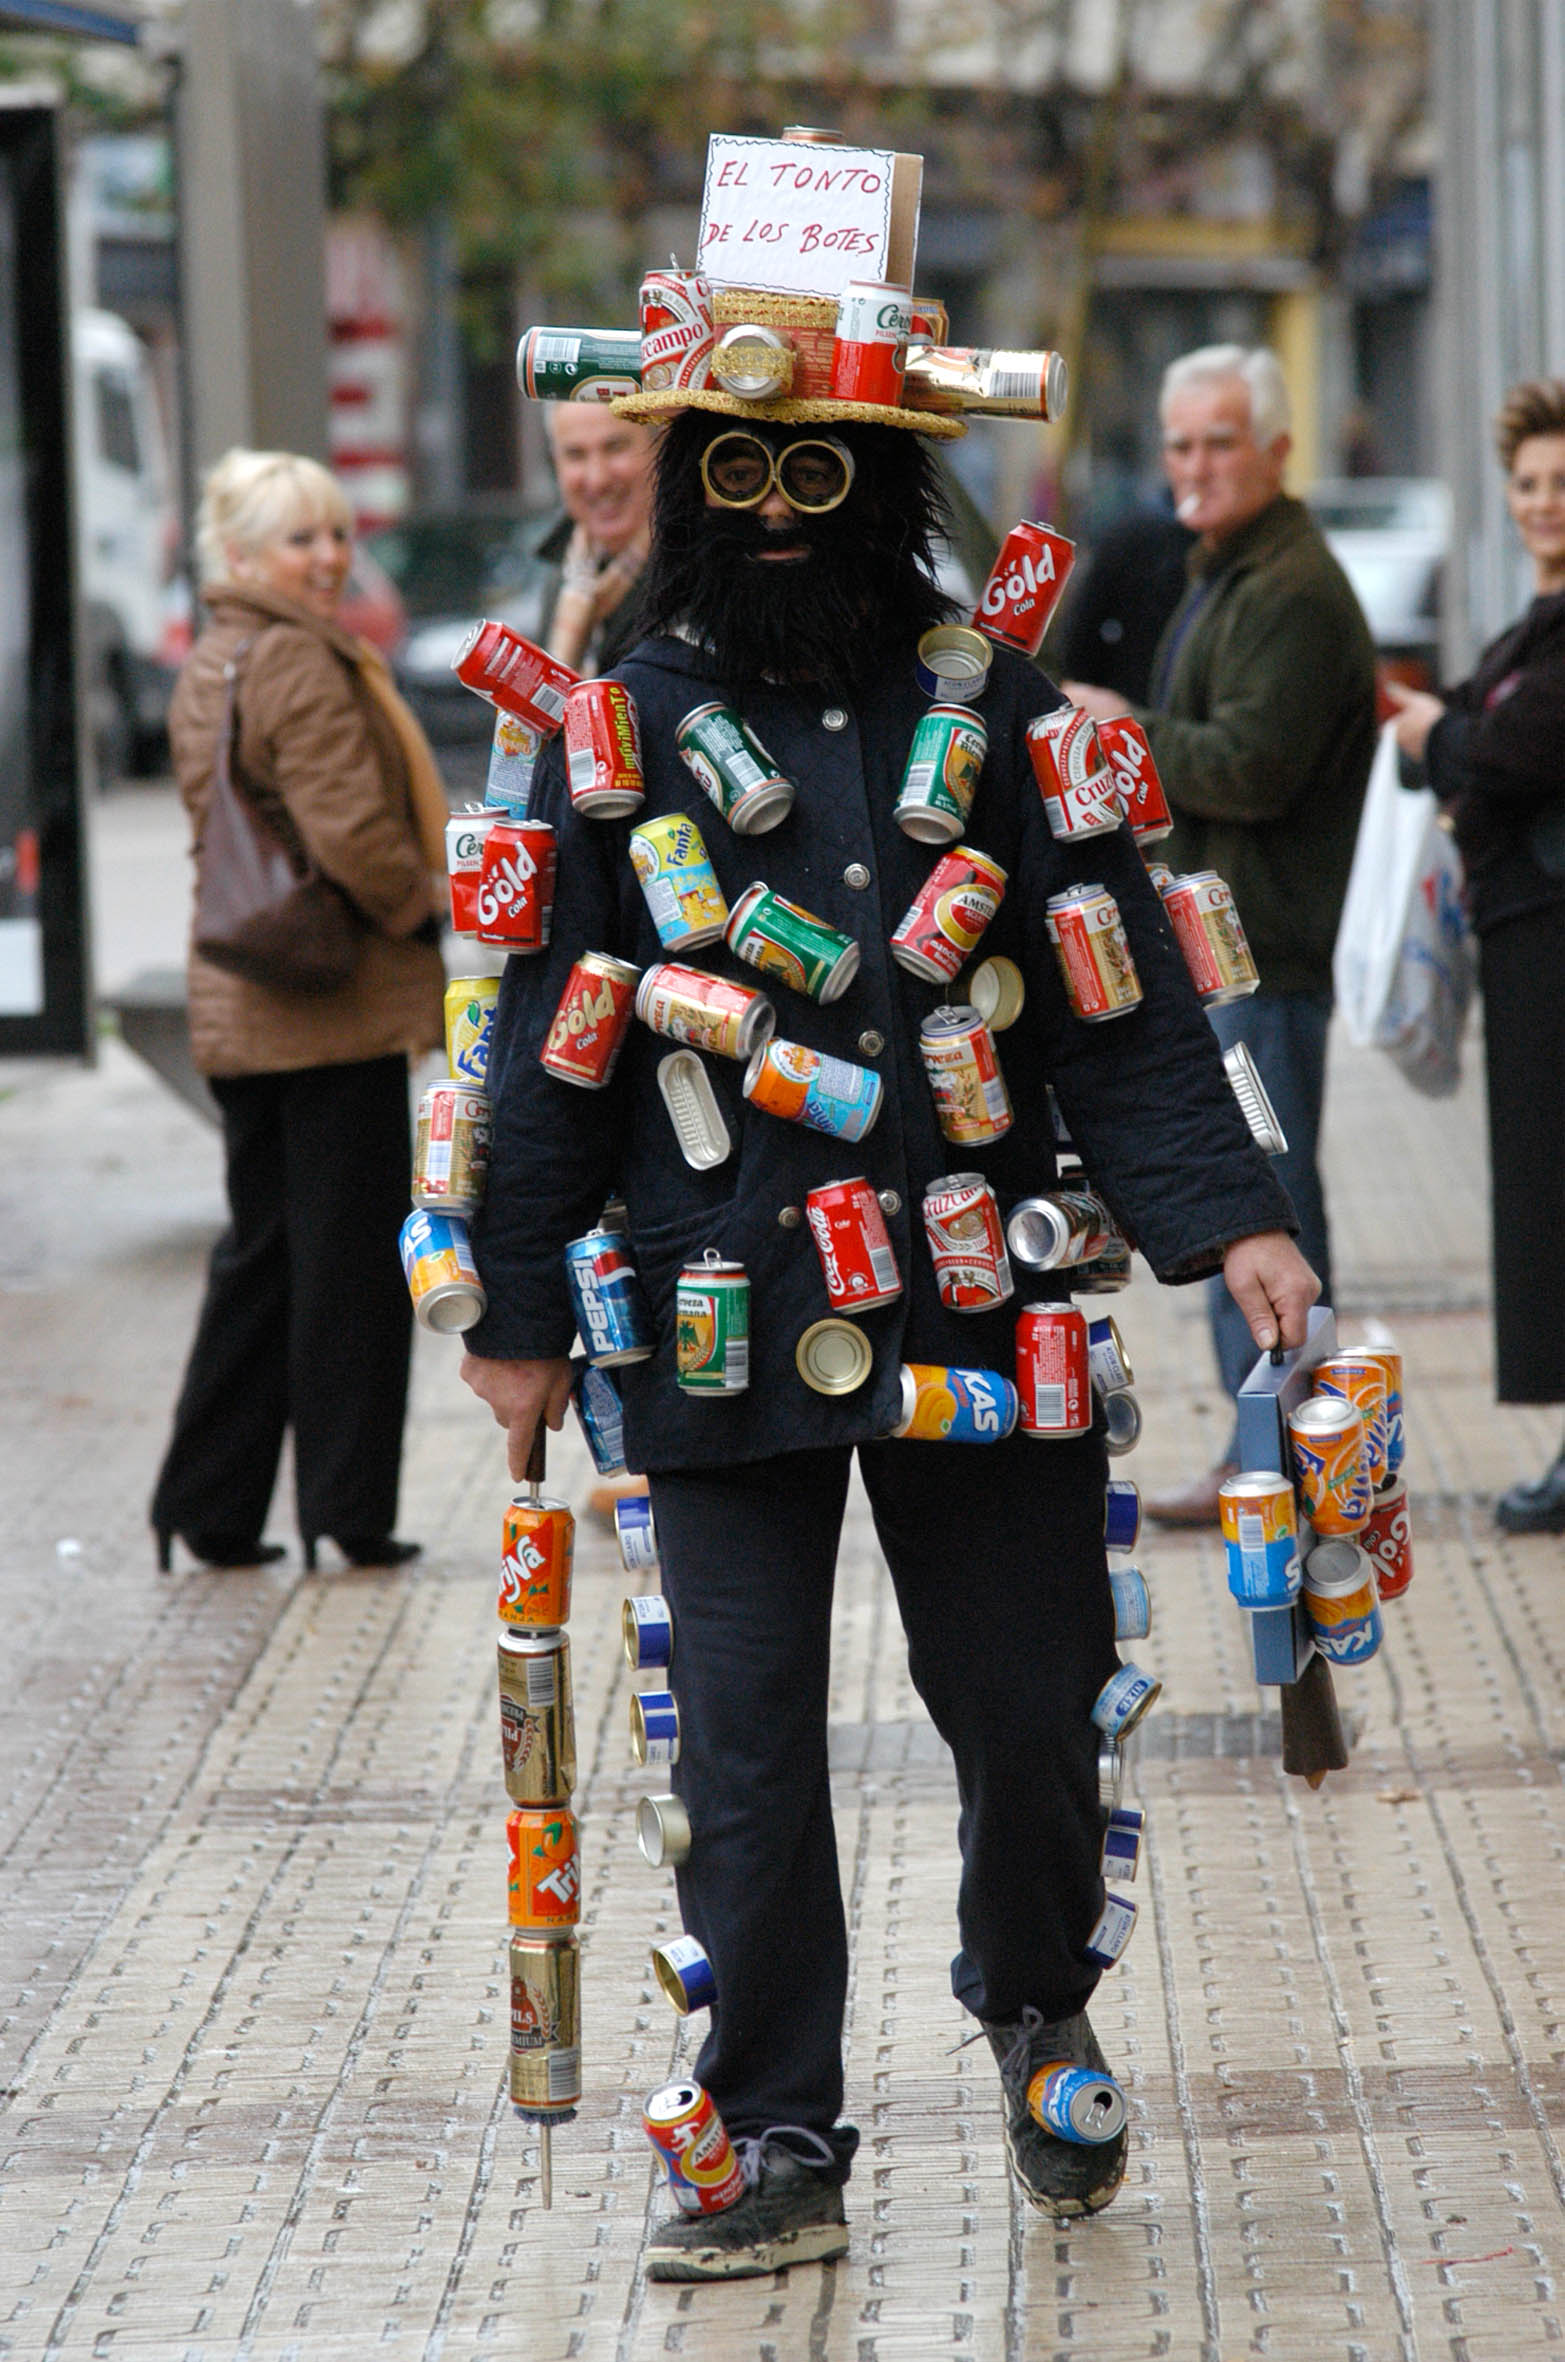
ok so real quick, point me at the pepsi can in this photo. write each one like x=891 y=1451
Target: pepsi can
x=601 y=1416
x=611 y=1311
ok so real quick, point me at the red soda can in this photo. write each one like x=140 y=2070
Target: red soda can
x=1209 y=932
x=1135 y=775
x=1327 y=1439
x=465 y=835
x=853 y=1244
x=869 y=350
x=513 y=674
x=603 y=749
x=1073 y=775
x=944 y=924
x=676 y=330
x=1052 y=1376
x=543 y=1885
x=967 y=1241
x=589 y=1027
x=1024 y=587
x=1089 y=942
x=1362 y=1382
x=693 y=2148
x=537 y=1552
x=515 y=901
x=1387 y=1540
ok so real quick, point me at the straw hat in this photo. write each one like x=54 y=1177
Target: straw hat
x=789 y=410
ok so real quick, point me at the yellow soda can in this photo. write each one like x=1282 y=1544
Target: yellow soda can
x=470 y=1008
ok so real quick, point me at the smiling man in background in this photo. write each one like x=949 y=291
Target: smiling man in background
x=603 y=465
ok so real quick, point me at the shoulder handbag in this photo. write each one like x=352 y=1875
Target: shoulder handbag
x=257 y=914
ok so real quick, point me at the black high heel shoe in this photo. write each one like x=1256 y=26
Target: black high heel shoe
x=1534 y=1508
x=215 y=1550
x=364 y=1550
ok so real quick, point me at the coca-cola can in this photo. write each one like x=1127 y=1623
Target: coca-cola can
x=522 y=679
x=1073 y=775
x=854 y=1245
x=589 y=1026
x=676 y=330
x=869 y=350
x=1052 y=1377
x=1208 y=931
x=1024 y=587
x=1124 y=742
x=603 y=750
x=967 y=1241
x=465 y=835
x=944 y=924
x=515 y=900
x=1090 y=944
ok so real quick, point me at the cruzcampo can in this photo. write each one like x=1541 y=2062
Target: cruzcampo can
x=806 y=1086
x=712 y=1327
x=734 y=768
x=1340 y=1603
x=451 y=1148
x=782 y=940
x=940 y=777
x=1259 y=1518
x=470 y=1008
x=669 y=857
x=545 y=2025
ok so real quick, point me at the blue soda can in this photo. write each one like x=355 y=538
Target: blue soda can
x=513 y=755
x=638 y=1540
x=654 y=1726
x=611 y=1311
x=600 y=1415
x=1122 y=1841
x=1132 y=1605
x=1076 y=2103
x=648 y=1629
x=685 y=1974
x=1121 y=1514
x=1123 y=1699
x=809 y=1087
x=1260 y=1525
x=945 y=1405
x=1113 y=1931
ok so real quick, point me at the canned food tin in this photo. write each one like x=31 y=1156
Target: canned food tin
x=1113 y=1932
x=952 y=663
x=1111 y=1772
x=1125 y=1697
x=513 y=757
x=603 y=750
x=545 y=2058
x=869 y=350
x=754 y=362
x=685 y=1973
x=1122 y=1841
x=451 y=1147
x=833 y=1357
x=654 y=1726
x=1074 y=779
x=972 y=1104
x=782 y=940
x=734 y=768
x=1075 y=2103
x=1207 y=929
x=1340 y=1603
x=1135 y=776
x=1387 y=1540
x=511 y=672
x=1051 y=1370
x=537 y=1552
x=967 y=1242
x=945 y=1405
x=437 y=1262
x=670 y=859
x=1329 y=1464
x=712 y=1327
x=693 y=2148
x=578 y=364
x=807 y=1087
x=1260 y=1526
x=944 y=923
x=940 y=777
x=1244 y=1078
x=1121 y=1514
x=854 y=1245
x=1107 y=1359
x=470 y=1007
x=687 y=1093
x=1065 y=1227
x=1090 y=943
x=704 y=1012
x=612 y=1315
x=1361 y=1381
x=996 y=989
x=1121 y=1414
x=676 y=330
x=662 y=1831
x=465 y=835
x=1390 y=1361
x=587 y=1031
x=647 y=1629
x=635 y=1530
x=543 y=1884
x=537 y=1718
x=1024 y=586
x=1132 y=1603
x=601 y=1416
x=515 y=899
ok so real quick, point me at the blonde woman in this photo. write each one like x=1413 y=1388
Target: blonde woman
x=305 y=1323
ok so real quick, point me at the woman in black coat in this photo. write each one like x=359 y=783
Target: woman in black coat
x=1494 y=749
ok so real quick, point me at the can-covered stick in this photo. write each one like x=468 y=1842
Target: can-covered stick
x=546 y=2164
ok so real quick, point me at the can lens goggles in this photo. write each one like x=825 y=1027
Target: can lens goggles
x=814 y=474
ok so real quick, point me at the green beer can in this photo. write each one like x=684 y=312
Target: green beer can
x=712 y=1327
x=782 y=940
x=734 y=768
x=579 y=364
x=941 y=774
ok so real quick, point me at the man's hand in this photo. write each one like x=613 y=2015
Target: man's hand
x=520 y=1393
x=1272 y=1285
x=1417 y=714
x=1104 y=705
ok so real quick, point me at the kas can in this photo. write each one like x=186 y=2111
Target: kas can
x=669 y=857
x=1121 y=1856
x=635 y=1530
x=1132 y=1603
x=654 y=1726
x=647 y=1630
x=1330 y=1464
x=537 y=1550
x=945 y=1405
x=676 y=330
x=1362 y=1382
x=1387 y=1540
x=465 y=834
x=543 y=1884
x=967 y=1242
x=603 y=750
x=940 y=776
x=685 y=1973
x=782 y=940
x=1260 y=1525
x=809 y=1087
x=693 y=2148
x=1024 y=586
x=1089 y=942
x=712 y=1327
x=734 y=768
x=537 y=1718
x=1121 y=1514
x=545 y=2025
x=611 y=1311
x=1390 y=1361
x=662 y=1831
x=1073 y=774
x=512 y=673
x=944 y=924
x=1075 y=2103
x=451 y=1148
x=869 y=350
x=513 y=757
x=705 y=1012
x=578 y=364
x=1107 y=1360
x=601 y=1416
x=854 y=1245
x=1113 y=1931
x=972 y=1104
x=515 y=899
x=588 y=1029
x=470 y=1008
x=1340 y=1605
x=1068 y=1226
x=1207 y=929
x=1120 y=1704
x=1051 y=1370
x=1135 y=776
x=443 y=1281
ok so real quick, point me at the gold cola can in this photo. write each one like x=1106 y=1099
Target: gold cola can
x=545 y=2025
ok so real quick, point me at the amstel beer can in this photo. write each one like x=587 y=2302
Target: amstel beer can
x=1024 y=586
x=1387 y=1540
x=612 y=1315
x=780 y=939
x=1115 y=1927
x=1132 y=1603
x=498 y=664
x=537 y=1552
x=1260 y=1526
x=578 y=364
x=945 y=1405
x=1090 y=944
x=654 y=1726
x=588 y=1029
x=443 y=1281
x=1330 y=1464
x=451 y=1147
x=1208 y=931
x=537 y=1718
x=1135 y=776
x=972 y=1104
x=734 y=768
x=1075 y=2103
x=513 y=758
x=1068 y=1226
x=543 y=1883
x=1390 y=1360
x=635 y=1530
x=693 y=2148
x=944 y=924
x=465 y=835
x=470 y=1008
x=1052 y=1378
x=1073 y=775
x=685 y=1973
x=676 y=330
x=808 y=1087
x=515 y=899
x=967 y=1242
x=940 y=777
x=601 y=1416
x=712 y=1327
x=857 y=1258
x=647 y=1630
x=1125 y=1697
x=869 y=351
x=603 y=750
x=1362 y=1382
x=1340 y=1604
x=705 y=1012
x=1121 y=1514
x=545 y=2026
x=670 y=859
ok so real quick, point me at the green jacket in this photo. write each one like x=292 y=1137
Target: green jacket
x=1266 y=743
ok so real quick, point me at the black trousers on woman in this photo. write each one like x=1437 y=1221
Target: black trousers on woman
x=996 y=1555
x=307 y=1322
x=1522 y=964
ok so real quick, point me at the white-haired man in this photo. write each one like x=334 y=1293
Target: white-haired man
x=603 y=465
x=1262 y=724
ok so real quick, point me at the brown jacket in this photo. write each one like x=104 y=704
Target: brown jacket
x=317 y=753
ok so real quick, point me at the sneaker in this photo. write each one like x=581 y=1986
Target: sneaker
x=789 y=2214
x=1061 y=2178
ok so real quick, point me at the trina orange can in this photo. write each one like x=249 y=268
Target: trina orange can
x=537 y=1549
x=544 y=1882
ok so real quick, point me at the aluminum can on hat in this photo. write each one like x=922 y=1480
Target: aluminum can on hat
x=676 y=876
x=1340 y=1603
x=703 y=1011
x=734 y=768
x=1067 y=1226
x=712 y=1327
x=1024 y=586
x=443 y=1281
x=515 y=899
x=1330 y=1464
x=1387 y=1540
x=945 y=1405
x=1260 y=1527
x=579 y=364
x=662 y=1831
x=1390 y=1360
x=543 y=1884
x=601 y=1416
x=537 y=1717
x=972 y=1104
x=451 y=1147
x=1113 y=1932
x=940 y=777
x=676 y=330
x=806 y=1086
x=869 y=350
x=1122 y=1841
x=1107 y=1359
x=1132 y=1603
x=967 y=1242
x=1051 y=1370
x=537 y=1553
x=612 y=1314
x=1074 y=779
x=780 y=939
x=1125 y=1697
x=1075 y=2103
x=984 y=381
x=1209 y=932
x=1135 y=775
x=514 y=674
x=858 y=1260
x=654 y=1726
x=647 y=1629
x=465 y=835
x=1361 y=1381
x=513 y=757
x=685 y=1973
x=545 y=2059
x=944 y=923
x=1094 y=955
x=755 y=362
x=1121 y=1514
x=587 y=1031
x=635 y=1530
x=603 y=750
x=693 y=2148
x=470 y=1007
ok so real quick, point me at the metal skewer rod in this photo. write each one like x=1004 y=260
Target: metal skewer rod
x=535 y=1458
x=546 y=2164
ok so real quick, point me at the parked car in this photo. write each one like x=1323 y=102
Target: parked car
x=127 y=542
x=1390 y=534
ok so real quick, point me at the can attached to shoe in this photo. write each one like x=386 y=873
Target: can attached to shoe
x=1075 y=2103
x=693 y=2148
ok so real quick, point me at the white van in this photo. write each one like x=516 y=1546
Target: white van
x=128 y=541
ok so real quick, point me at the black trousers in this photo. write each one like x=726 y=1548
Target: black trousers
x=996 y=1554
x=306 y=1321
x=1524 y=1060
